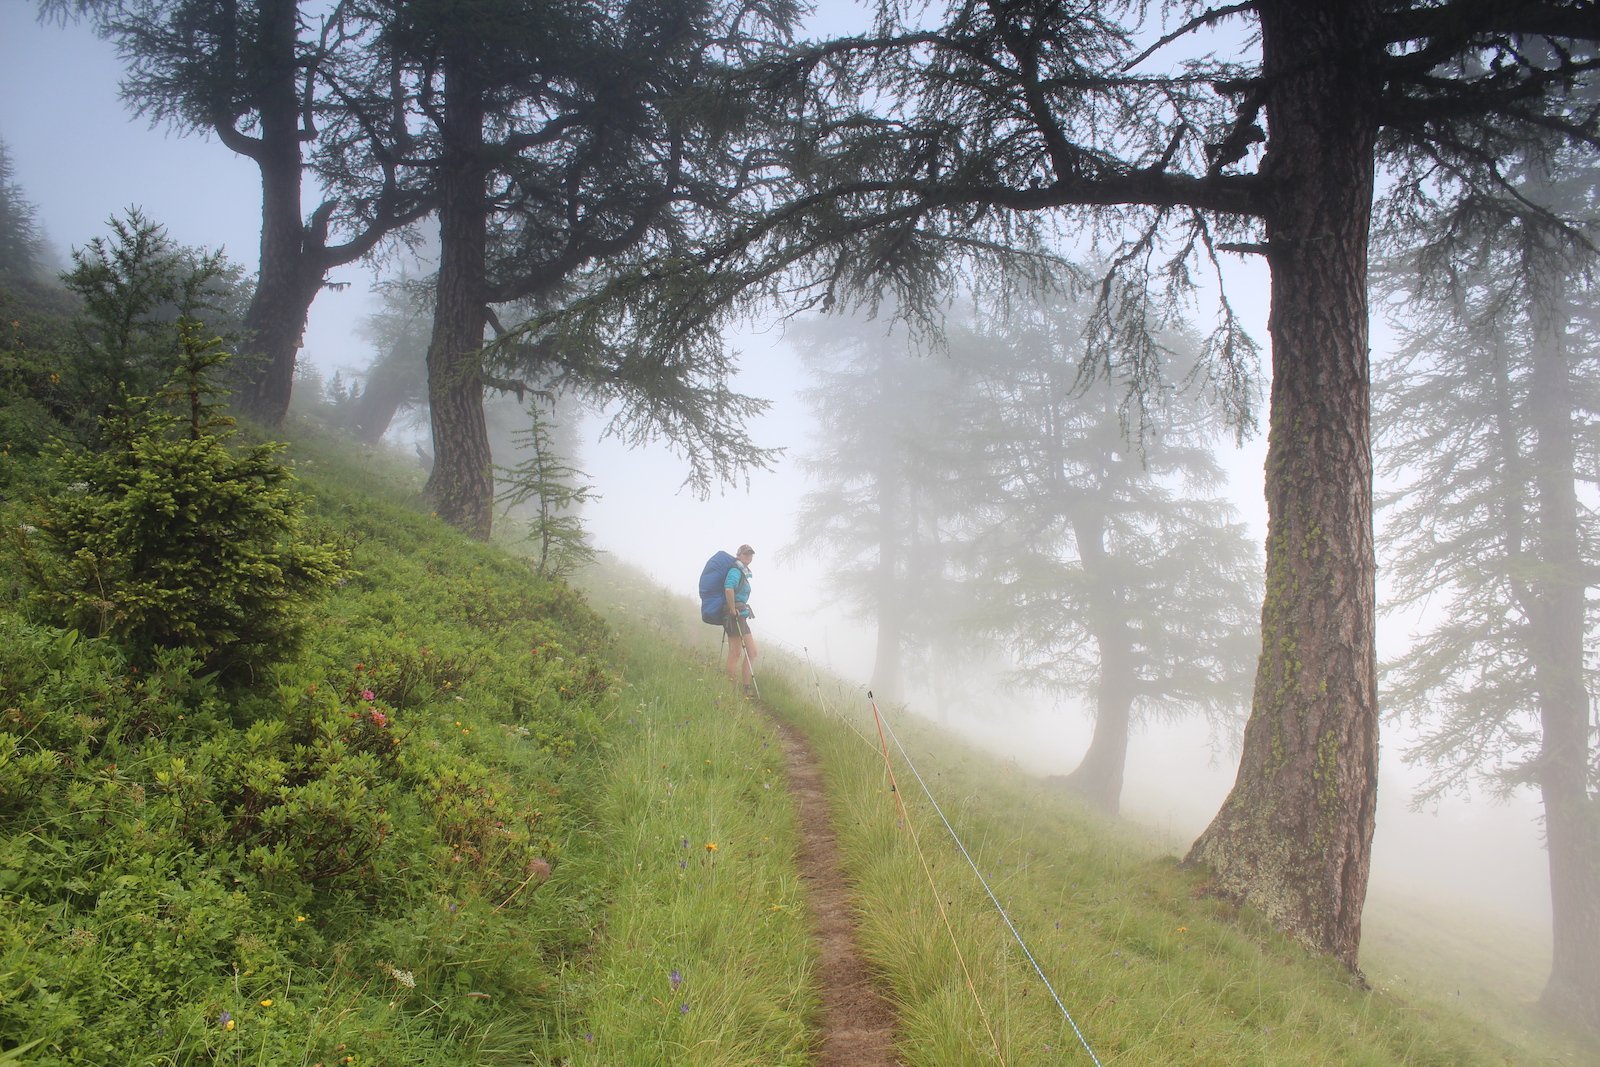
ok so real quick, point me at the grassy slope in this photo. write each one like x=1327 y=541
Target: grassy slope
x=706 y=955
x=561 y=870
x=645 y=946
x=344 y=863
x=1151 y=970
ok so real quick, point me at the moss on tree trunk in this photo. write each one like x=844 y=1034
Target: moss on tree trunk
x=1293 y=839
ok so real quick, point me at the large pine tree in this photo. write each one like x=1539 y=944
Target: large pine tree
x=268 y=78
x=999 y=124
x=559 y=138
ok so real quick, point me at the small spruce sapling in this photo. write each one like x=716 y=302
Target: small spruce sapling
x=137 y=286
x=166 y=537
x=554 y=489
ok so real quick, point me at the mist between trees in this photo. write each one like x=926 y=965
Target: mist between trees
x=1051 y=188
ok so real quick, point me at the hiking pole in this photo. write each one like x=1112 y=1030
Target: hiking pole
x=749 y=665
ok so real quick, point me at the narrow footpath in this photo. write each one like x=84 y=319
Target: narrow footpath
x=857 y=1022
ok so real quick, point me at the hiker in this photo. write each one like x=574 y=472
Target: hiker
x=736 y=619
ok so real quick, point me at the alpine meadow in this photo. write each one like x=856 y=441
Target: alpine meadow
x=1139 y=464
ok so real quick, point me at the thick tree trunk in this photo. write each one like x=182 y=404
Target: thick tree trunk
x=286 y=283
x=1098 y=777
x=1556 y=608
x=275 y=322
x=461 y=486
x=1293 y=838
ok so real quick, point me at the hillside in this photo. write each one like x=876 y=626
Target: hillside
x=1051 y=935
x=471 y=821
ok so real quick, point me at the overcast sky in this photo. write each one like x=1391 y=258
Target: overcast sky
x=81 y=157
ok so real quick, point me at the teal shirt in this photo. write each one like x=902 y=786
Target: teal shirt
x=738 y=580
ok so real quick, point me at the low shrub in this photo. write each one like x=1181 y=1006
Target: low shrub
x=358 y=853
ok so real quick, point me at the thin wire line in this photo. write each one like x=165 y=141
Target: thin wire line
x=985 y=883
x=884 y=724
x=933 y=885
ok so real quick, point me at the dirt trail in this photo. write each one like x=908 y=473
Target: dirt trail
x=857 y=1022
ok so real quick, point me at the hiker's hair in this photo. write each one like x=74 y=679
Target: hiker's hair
x=743 y=549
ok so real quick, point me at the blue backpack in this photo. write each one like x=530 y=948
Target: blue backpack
x=713 y=605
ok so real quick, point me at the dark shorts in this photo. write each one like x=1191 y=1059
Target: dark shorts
x=735 y=627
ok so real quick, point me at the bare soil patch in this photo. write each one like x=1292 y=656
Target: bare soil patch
x=857 y=1022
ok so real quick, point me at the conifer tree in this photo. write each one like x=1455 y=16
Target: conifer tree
x=1107 y=562
x=552 y=492
x=21 y=240
x=269 y=78
x=137 y=285
x=888 y=477
x=1489 y=424
x=559 y=139
x=993 y=129
x=168 y=536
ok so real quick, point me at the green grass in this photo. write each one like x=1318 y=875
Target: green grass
x=1151 y=969
x=707 y=954
x=541 y=888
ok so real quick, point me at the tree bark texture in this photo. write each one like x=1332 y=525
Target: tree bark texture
x=286 y=286
x=1293 y=838
x=461 y=486
x=1555 y=607
x=286 y=282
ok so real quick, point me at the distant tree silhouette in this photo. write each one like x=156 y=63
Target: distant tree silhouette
x=888 y=480
x=397 y=376
x=1488 y=425
x=21 y=239
x=1109 y=563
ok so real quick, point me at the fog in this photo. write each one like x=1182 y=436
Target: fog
x=80 y=158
